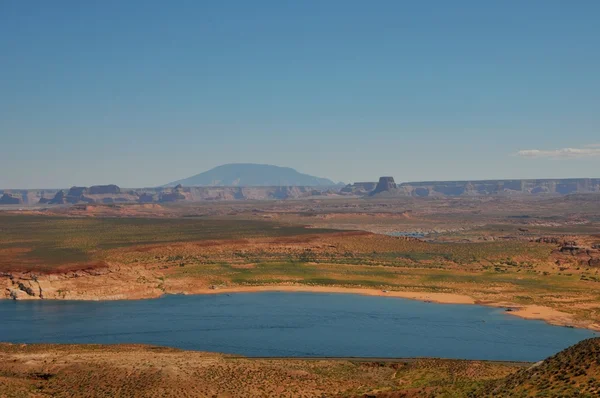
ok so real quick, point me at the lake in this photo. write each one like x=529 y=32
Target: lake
x=291 y=324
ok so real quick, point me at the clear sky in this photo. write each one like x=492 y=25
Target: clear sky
x=141 y=93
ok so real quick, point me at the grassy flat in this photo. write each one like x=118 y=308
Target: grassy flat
x=39 y=243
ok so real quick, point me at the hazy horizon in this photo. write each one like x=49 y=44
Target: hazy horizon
x=375 y=179
x=142 y=93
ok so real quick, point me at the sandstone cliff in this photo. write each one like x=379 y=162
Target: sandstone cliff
x=386 y=188
x=99 y=283
x=104 y=190
x=479 y=188
x=502 y=187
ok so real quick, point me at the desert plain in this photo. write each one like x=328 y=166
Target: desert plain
x=537 y=257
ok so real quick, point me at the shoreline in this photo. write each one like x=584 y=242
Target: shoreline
x=529 y=312
x=438 y=298
x=234 y=357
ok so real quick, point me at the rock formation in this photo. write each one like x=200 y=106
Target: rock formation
x=104 y=190
x=58 y=199
x=75 y=194
x=9 y=199
x=502 y=187
x=385 y=184
x=176 y=194
x=571 y=189
x=95 y=194
x=359 y=188
x=146 y=197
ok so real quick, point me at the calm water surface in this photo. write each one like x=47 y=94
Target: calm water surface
x=291 y=324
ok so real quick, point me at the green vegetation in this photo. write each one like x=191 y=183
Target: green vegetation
x=34 y=241
x=294 y=271
x=31 y=242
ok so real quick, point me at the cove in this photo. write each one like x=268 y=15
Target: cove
x=291 y=324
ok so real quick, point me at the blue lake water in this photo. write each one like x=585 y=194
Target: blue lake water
x=291 y=324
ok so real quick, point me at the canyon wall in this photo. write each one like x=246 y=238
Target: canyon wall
x=502 y=187
x=385 y=188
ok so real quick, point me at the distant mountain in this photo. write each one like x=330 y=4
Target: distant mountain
x=252 y=175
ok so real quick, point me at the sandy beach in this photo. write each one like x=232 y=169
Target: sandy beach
x=442 y=298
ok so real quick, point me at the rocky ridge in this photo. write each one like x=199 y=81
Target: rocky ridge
x=571 y=189
x=567 y=186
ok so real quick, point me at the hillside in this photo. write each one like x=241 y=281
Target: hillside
x=252 y=175
x=70 y=371
x=574 y=372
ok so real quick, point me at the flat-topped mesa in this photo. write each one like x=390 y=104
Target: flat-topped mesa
x=104 y=190
x=75 y=194
x=97 y=194
x=385 y=184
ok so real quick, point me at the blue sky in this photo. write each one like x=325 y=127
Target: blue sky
x=140 y=93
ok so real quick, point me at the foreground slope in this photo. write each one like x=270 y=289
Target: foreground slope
x=47 y=370
x=574 y=372
x=252 y=175
x=147 y=371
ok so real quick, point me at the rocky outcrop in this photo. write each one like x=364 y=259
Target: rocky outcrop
x=421 y=192
x=385 y=184
x=75 y=194
x=177 y=193
x=571 y=251
x=95 y=194
x=359 y=188
x=58 y=199
x=146 y=197
x=104 y=190
x=9 y=199
x=96 y=283
x=78 y=195
x=568 y=187
x=285 y=192
x=77 y=191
